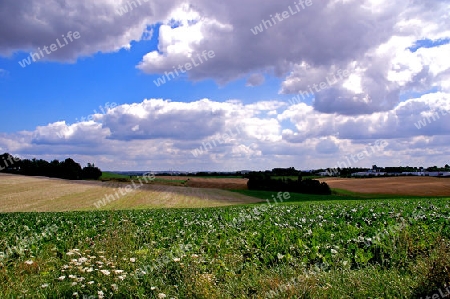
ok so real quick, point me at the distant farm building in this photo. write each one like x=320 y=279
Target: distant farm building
x=370 y=172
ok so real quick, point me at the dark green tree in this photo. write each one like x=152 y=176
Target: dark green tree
x=71 y=170
x=91 y=172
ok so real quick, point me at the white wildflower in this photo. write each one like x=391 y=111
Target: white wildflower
x=106 y=272
x=82 y=259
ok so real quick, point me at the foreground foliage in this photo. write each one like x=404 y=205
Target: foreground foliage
x=358 y=249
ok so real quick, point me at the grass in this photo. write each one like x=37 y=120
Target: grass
x=219 y=177
x=337 y=194
x=294 y=197
x=111 y=175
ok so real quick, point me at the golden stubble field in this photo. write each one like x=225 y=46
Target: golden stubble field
x=39 y=194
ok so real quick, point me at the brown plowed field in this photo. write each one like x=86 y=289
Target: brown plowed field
x=419 y=186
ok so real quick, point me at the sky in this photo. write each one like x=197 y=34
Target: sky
x=205 y=85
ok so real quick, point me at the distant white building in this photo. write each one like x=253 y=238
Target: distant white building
x=416 y=173
x=438 y=173
x=428 y=173
x=368 y=173
x=375 y=171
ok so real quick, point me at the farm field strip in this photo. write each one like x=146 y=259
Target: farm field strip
x=407 y=185
x=28 y=194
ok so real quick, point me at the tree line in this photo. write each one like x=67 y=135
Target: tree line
x=264 y=181
x=67 y=169
x=346 y=172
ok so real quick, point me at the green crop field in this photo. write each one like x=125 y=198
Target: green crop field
x=219 y=176
x=337 y=194
x=106 y=175
x=323 y=249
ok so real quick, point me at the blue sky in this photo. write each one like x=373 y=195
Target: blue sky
x=397 y=76
x=53 y=91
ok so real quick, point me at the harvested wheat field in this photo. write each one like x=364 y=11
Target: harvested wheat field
x=39 y=194
x=418 y=186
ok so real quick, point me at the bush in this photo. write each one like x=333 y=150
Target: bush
x=263 y=181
